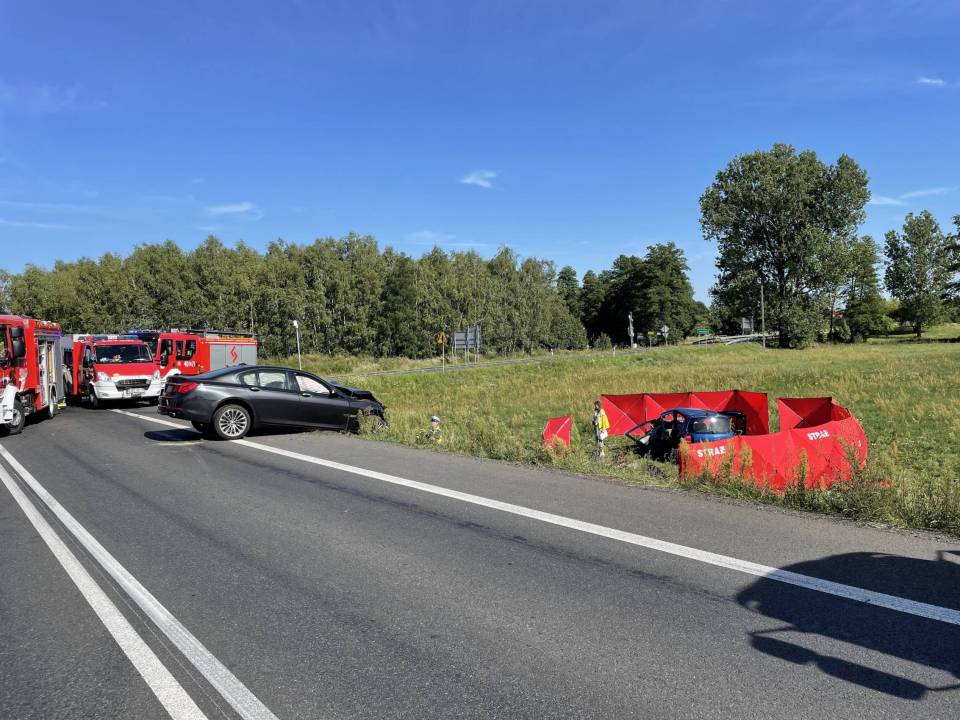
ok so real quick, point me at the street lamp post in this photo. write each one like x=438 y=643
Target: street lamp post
x=296 y=326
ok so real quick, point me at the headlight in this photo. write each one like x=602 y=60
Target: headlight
x=103 y=377
x=156 y=374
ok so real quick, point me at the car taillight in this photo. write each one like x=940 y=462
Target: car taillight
x=182 y=388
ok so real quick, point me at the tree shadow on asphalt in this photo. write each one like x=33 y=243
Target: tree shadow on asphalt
x=932 y=643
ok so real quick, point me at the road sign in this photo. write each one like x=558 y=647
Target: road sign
x=703 y=331
x=441 y=338
x=650 y=333
x=664 y=331
x=468 y=339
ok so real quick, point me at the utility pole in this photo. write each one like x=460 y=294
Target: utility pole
x=296 y=326
x=763 y=319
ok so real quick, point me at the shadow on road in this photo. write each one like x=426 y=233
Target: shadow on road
x=931 y=643
x=191 y=435
x=187 y=434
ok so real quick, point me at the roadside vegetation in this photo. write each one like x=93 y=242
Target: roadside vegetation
x=904 y=393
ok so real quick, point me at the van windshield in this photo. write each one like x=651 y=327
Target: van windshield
x=115 y=354
x=714 y=425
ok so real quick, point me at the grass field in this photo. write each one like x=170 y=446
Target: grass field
x=905 y=393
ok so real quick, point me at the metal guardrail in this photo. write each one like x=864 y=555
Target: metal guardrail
x=733 y=339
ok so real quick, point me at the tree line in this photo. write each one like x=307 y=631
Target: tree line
x=785 y=223
x=348 y=295
x=786 y=226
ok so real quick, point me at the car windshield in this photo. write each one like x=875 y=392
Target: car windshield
x=713 y=425
x=132 y=353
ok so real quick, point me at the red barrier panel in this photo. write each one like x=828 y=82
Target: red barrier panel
x=820 y=450
x=558 y=428
x=627 y=411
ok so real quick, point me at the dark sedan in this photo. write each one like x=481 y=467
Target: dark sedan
x=229 y=403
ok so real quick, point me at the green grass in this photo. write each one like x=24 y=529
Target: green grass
x=906 y=395
x=937 y=333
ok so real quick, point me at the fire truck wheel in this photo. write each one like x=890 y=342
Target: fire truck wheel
x=16 y=422
x=52 y=407
x=231 y=422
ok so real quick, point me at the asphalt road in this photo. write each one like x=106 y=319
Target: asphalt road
x=350 y=591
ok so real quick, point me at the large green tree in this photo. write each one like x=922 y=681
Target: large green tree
x=954 y=287
x=786 y=220
x=865 y=312
x=919 y=268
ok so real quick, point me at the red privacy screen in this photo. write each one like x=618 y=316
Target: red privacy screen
x=627 y=411
x=558 y=428
x=815 y=446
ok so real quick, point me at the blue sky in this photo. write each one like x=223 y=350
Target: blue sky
x=572 y=131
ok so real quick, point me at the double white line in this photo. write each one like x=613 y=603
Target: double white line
x=167 y=689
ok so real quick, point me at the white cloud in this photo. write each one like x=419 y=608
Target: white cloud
x=927 y=192
x=480 y=178
x=432 y=238
x=53 y=207
x=902 y=198
x=429 y=237
x=48 y=99
x=932 y=82
x=884 y=200
x=243 y=210
x=32 y=224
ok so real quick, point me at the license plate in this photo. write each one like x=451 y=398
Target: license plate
x=133 y=393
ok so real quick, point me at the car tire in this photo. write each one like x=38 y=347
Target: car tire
x=231 y=422
x=153 y=401
x=16 y=423
x=92 y=401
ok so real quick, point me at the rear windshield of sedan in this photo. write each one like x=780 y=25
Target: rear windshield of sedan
x=716 y=425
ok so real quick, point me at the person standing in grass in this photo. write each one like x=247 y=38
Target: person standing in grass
x=601 y=424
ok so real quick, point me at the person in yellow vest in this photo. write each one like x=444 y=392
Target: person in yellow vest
x=601 y=424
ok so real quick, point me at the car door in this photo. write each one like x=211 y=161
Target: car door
x=321 y=406
x=271 y=396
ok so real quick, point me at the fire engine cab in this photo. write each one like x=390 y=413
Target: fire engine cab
x=30 y=370
x=113 y=368
x=191 y=352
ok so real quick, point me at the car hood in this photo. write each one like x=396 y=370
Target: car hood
x=354 y=393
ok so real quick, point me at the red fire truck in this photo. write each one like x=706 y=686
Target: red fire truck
x=31 y=375
x=112 y=368
x=191 y=352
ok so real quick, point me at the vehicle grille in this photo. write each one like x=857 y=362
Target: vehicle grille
x=133 y=383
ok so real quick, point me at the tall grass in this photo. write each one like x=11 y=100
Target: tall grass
x=906 y=395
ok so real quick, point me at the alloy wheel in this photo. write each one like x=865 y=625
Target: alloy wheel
x=233 y=422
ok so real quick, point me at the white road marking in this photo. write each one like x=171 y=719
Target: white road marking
x=175 y=700
x=247 y=705
x=848 y=592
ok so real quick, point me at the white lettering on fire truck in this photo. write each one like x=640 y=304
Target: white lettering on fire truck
x=711 y=452
x=818 y=435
